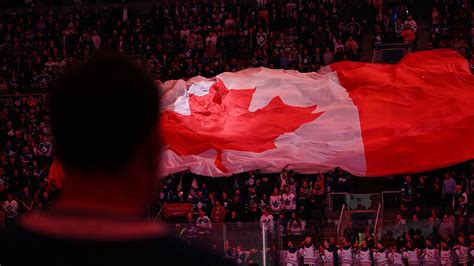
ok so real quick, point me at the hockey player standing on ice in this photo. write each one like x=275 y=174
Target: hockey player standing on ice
x=412 y=255
x=345 y=254
x=446 y=254
x=462 y=251
x=395 y=256
x=308 y=252
x=327 y=255
x=430 y=255
x=291 y=255
x=380 y=255
x=471 y=250
x=363 y=256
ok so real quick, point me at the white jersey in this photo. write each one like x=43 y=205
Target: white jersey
x=267 y=220
x=363 y=257
x=354 y=257
x=204 y=222
x=327 y=257
x=291 y=259
x=430 y=256
x=411 y=256
x=462 y=253
x=10 y=208
x=289 y=202
x=345 y=256
x=275 y=203
x=446 y=257
x=396 y=259
x=308 y=254
x=380 y=257
x=317 y=255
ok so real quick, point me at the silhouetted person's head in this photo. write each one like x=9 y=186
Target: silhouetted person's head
x=102 y=112
x=104 y=115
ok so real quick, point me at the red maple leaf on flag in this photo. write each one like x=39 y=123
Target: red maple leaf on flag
x=220 y=120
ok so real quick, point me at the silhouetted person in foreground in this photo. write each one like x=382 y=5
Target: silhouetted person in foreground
x=104 y=117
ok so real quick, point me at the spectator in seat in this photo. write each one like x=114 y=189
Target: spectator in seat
x=240 y=256
x=203 y=222
x=254 y=257
x=218 y=213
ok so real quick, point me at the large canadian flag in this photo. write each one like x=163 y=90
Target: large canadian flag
x=368 y=119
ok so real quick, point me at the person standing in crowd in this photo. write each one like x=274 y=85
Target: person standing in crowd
x=218 y=213
x=458 y=194
x=11 y=211
x=449 y=187
x=266 y=221
x=289 y=202
x=407 y=191
x=295 y=226
x=275 y=202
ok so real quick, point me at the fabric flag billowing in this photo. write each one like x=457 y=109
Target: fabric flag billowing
x=368 y=119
